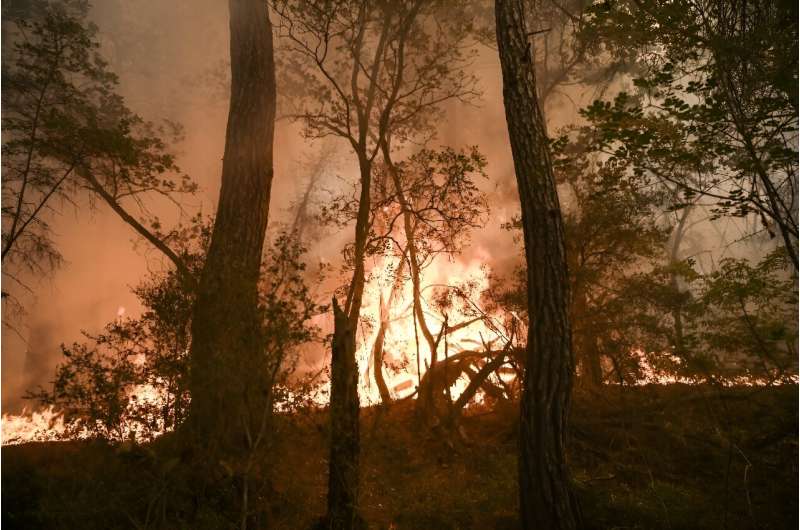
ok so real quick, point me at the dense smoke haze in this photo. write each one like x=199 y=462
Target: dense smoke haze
x=172 y=61
x=399 y=264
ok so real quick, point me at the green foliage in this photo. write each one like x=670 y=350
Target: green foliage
x=750 y=316
x=68 y=136
x=612 y=234
x=286 y=306
x=647 y=316
x=131 y=379
x=714 y=116
x=737 y=321
x=709 y=124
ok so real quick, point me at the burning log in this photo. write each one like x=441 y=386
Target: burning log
x=478 y=366
x=478 y=379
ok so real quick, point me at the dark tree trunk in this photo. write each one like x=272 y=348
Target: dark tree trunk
x=377 y=358
x=343 y=465
x=228 y=373
x=546 y=498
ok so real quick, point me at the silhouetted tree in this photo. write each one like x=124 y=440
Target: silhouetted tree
x=714 y=111
x=439 y=203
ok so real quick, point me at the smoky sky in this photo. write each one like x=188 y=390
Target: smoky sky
x=171 y=59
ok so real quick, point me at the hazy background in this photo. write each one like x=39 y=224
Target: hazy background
x=171 y=58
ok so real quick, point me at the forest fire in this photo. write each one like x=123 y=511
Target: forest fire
x=38 y=426
x=404 y=351
x=404 y=348
x=401 y=348
x=408 y=264
x=49 y=425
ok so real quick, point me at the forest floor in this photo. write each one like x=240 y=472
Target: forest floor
x=673 y=457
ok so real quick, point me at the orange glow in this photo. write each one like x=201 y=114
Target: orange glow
x=48 y=425
x=38 y=426
x=399 y=350
x=400 y=343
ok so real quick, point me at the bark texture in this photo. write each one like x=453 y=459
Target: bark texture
x=228 y=372
x=546 y=499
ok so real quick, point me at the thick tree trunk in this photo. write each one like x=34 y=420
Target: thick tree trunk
x=228 y=372
x=546 y=498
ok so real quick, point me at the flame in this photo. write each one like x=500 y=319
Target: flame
x=38 y=426
x=400 y=343
x=400 y=348
x=48 y=425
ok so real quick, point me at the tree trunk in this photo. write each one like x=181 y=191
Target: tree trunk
x=377 y=347
x=546 y=498
x=228 y=372
x=377 y=355
x=343 y=465
x=677 y=314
